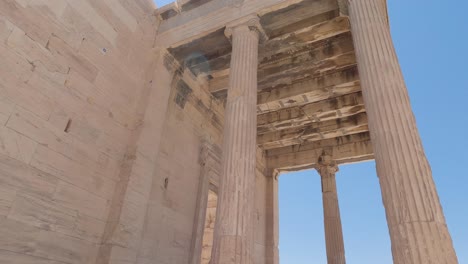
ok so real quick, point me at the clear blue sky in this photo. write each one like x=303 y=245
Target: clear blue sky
x=431 y=38
x=160 y=3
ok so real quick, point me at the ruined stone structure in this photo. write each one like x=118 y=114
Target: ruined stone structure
x=136 y=135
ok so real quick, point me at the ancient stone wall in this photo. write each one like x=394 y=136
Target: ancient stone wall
x=74 y=76
x=194 y=120
x=101 y=138
x=193 y=117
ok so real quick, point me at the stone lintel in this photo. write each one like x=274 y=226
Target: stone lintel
x=167 y=11
x=305 y=159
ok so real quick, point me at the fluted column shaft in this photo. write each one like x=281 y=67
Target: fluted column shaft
x=416 y=221
x=234 y=237
x=331 y=212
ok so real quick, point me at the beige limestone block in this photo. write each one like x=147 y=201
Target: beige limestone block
x=79 y=28
x=42 y=213
x=7 y=197
x=16 y=176
x=81 y=200
x=32 y=22
x=16 y=145
x=18 y=237
x=57 y=7
x=32 y=51
x=59 y=247
x=98 y=22
x=6 y=27
x=122 y=13
x=63 y=52
x=85 y=99
x=15 y=73
x=54 y=77
x=415 y=218
x=122 y=76
x=127 y=219
x=6 y=108
x=88 y=228
x=56 y=139
x=13 y=257
x=72 y=172
x=121 y=255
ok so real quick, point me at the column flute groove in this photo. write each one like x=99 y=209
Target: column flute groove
x=415 y=217
x=233 y=238
x=331 y=212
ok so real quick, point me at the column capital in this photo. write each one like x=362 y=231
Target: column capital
x=347 y=3
x=326 y=166
x=250 y=22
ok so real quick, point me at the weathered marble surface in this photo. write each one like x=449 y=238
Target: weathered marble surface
x=415 y=217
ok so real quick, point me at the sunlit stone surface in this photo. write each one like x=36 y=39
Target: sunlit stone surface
x=120 y=121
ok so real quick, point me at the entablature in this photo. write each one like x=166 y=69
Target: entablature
x=309 y=90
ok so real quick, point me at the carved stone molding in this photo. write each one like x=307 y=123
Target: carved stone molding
x=326 y=166
x=210 y=159
x=170 y=63
x=343 y=6
x=251 y=22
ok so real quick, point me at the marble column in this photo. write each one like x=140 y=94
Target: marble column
x=272 y=219
x=331 y=212
x=415 y=218
x=233 y=241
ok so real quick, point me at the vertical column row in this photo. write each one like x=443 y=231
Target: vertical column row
x=416 y=221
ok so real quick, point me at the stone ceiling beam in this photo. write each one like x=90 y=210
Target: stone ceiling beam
x=331 y=85
x=306 y=36
x=314 y=132
x=326 y=143
x=278 y=49
x=339 y=107
x=342 y=154
x=294 y=72
x=287 y=66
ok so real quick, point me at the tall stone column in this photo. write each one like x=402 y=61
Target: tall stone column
x=233 y=242
x=416 y=221
x=331 y=212
x=272 y=219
